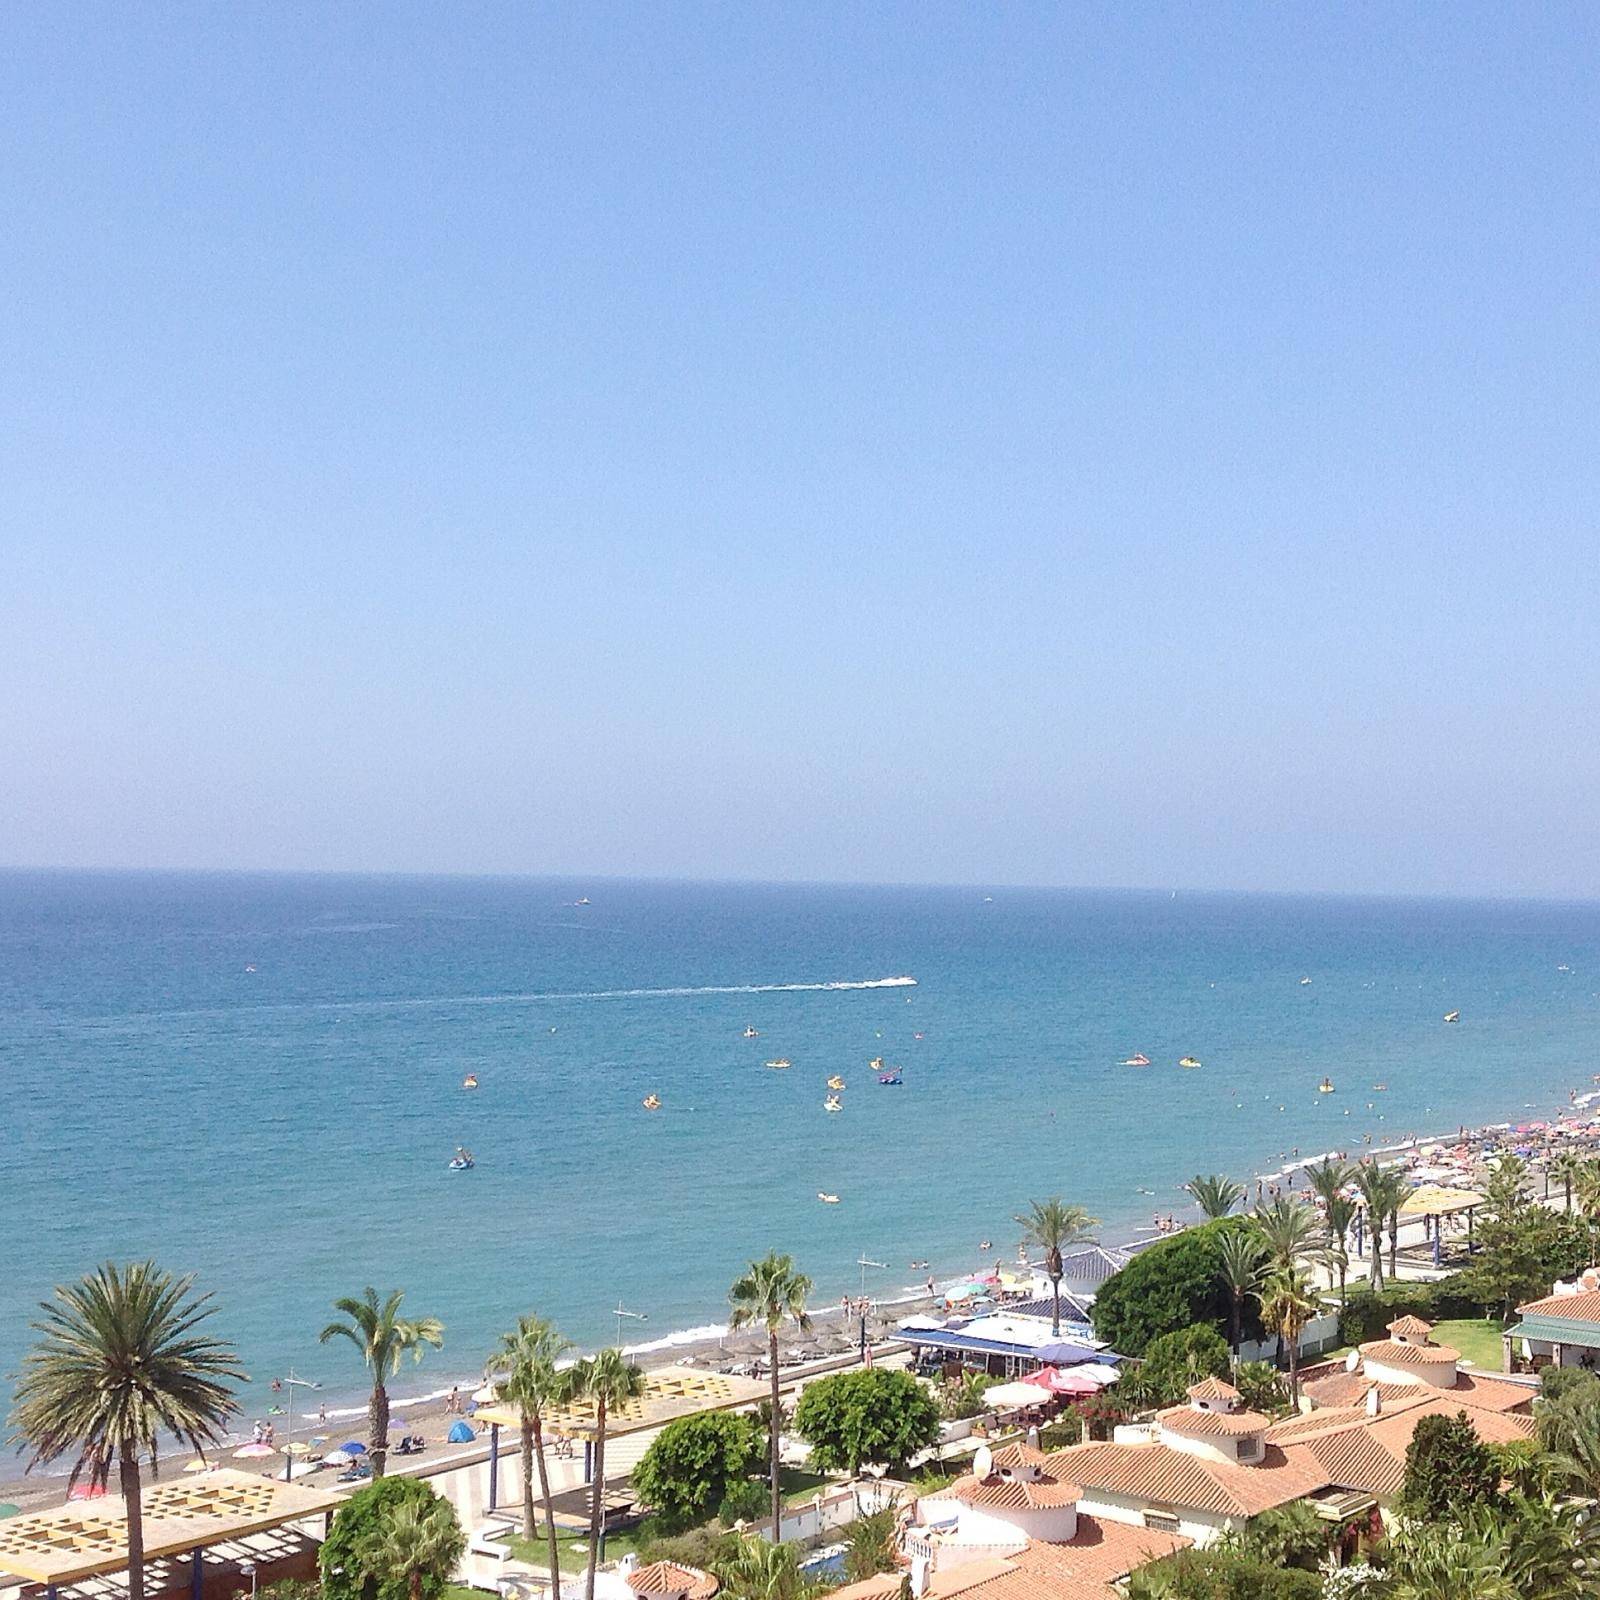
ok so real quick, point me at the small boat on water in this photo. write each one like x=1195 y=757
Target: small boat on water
x=836 y=1082
x=750 y=1033
x=780 y=1064
x=892 y=1079
x=1380 y=1088
x=876 y=1063
x=462 y=1161
x=1189 y=1061
x=1326 y=1086
x=827 y=1199
x=1305 y=980
x=1452 y=1016
x=470 y=1081
x=833 y=1103
x=1140 y=1060
x=651 y=1102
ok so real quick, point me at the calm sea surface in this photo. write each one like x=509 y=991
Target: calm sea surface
x=258 y=1079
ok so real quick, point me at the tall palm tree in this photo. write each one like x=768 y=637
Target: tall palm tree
x=608 y=1380
x=1587 y=1188
x=1381 y=1191
x=1053 y=1225
x=771 y=1293
x=1216 y=1195
x=413 y=1543
x=1341 y=1218
x=120 y=1356
x=383 y=1337
x=1287 y=1305
x=1567 y=1169
x=1239 y=1258
x=1328 y=1177
x=1288 y=1230
x=523 y=1371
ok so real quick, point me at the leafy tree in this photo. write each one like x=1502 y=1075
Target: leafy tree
x=1518 y=1243
x=1287 y=1305
x=1448 y=1468
x=1215 y=1195
x=122 y=1357
x=1171 y=1285
x=414 y=1551
x=871 y=1545
x=349 y=1566
x=1444 y=1561
x=1173 y=1363
x=1557 y=1382
x=607 y=1380
x=771 y=1293
x=962 y=1396
x=1053 y=1225
x=383 y=1337
x=1260 y=1386
x=693 y=1463
x=873 y=1414
x=523 y=1372
x=1240 y=1258
x=744 y=1501
x=1291 y=1535
x=1568 y=1427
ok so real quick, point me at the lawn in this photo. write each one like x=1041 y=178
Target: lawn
x=1477 y=1340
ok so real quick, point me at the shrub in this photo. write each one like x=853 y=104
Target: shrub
x=361 y=1522
x=1066 y=1430
x=1554 y=1382
x=704 y=1547
x=1291 y=1535
x=1168 y=1287
x=748 y=1500
x=1261 y=1386
x=874 y=1415
x=1221 y=1574
x=962 y=1397
x=870 y=1545
x=692 y=1463
x=1172 y=1363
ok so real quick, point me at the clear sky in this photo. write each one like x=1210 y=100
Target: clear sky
x=1147 y=445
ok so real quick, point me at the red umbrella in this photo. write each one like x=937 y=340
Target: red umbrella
x=86 y=1491
x=1057 y=1383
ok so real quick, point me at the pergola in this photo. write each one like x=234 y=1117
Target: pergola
x=90 y=1538
x=669 y=1393
x=1432 y=1201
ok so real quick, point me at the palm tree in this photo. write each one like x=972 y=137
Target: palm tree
x=1567 y=1170
x=1215 y=1195
x=771 y=1293
x=1587 y=1188
x=608 y=1380
x=1328 y=1177
x=412 y=1543
x=382 y=1336
x=1287 y=1305
x=1239 y=1256
x=121 y=1357
x=1381 y=1191
x=523 y=1370
x=1288 y=1230
x=1053 y=1225
x=1341 y=1218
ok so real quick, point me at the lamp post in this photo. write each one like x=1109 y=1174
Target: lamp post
x=620 y=1313
x=291 y=1383
x=864 y=1261
x=247 y=1569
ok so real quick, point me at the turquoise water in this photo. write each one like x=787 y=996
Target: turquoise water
x=258 y=1078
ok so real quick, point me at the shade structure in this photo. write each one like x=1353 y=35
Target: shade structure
x=337 y=1458
x=253 y=1452
x=1433 y=1200
x=669 y=1393
x=295 y=1448
x=1015 y=1396
x=1084 y=1379
x=461 y=1433
x=197 y=1465
x=353 y=1447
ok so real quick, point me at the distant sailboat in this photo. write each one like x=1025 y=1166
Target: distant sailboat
x=1452 y=1016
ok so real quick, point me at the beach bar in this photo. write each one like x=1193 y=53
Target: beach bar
x=1562 y=1330
x=1009 y=1347
x=230 y=1516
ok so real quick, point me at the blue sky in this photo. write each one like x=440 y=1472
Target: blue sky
x=1097 y=445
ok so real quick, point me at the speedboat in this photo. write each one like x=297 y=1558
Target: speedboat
x=1189 y=1061
x=827 y=1199
x=1452 y=1016
x=833 y=1103
x=651 y=1102
x=1137 y=1061
x=1305 y=980
x=780 y=1063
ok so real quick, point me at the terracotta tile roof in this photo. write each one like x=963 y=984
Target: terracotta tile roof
x=1579 y=1307
x=997 y=1490
x=667 y=1577
x=1213 y=1389
x=1419 y=1355
x=1018 y=1454
x=1086 y=1567
x=1212 y=1424
x=1414 y=1326
x=1162 y=1476
x=1336 y=1387
x=1325 y=1419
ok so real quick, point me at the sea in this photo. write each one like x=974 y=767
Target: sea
x=258 y=1079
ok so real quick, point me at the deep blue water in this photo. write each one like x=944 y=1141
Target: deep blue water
x=283 y=1131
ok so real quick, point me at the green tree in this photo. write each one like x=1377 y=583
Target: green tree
x=606 y=1380
x=1444 y=1561
x=1240 y=1257
x=348 y=1560
x=1291 y=1535
x=1222 y=1574
x=415 y=1550
x=121 y=1357
x=759 y=1570
x=1215 y=1195
x=771 y=1293
x=1287 y=1305
x=1261 y=1387
x=1448 y=1468
x=693 y=1462
x=1382 y=1191
x=1567 y=1169
x=1567 y=1425
x=1168 y=1286
x=1288 y=1231
x=1053 y=1225
x=1173 y=1364
x=1340 y=1217
x=523 y=1372
x=871 y=1545
x=871 y=1414
x=383 y=1337
x=1328 y=1178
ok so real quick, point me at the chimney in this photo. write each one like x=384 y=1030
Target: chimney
x=919 y=1576
x=1374 y=1401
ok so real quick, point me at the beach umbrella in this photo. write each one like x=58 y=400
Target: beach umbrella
x=296 y=1448
x=461 y=1433
x=253 y=1452
x=352 y=1448
x=197 y=1465
x=9 y=1510
x=337 y=1458
x=86 y=1491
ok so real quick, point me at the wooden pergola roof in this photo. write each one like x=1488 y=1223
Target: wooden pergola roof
x=1434 y=1201
x=669 y=1393
x=89 y=1538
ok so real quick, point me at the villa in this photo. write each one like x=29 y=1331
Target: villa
x=1562 y=1330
